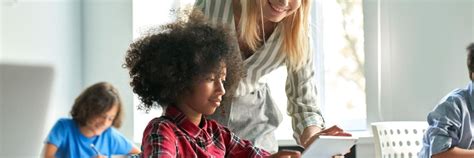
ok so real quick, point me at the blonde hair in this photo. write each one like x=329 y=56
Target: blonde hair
x=295 y=34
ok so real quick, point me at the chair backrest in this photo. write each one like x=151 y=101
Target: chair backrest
x=398 y=139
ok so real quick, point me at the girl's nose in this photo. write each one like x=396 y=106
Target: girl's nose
x=106 y=120
x=101 y=121
x=220 y=87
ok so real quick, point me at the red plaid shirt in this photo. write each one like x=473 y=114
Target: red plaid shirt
x=173 y=135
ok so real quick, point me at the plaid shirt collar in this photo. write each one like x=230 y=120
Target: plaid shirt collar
x=180 y=119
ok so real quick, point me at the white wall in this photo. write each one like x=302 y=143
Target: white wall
x=422 y=53
x=1 y=94
x=422 y=48
x=85 y=42
x=40 y=32
x=106 y=35
x=365 y=147
x=371 y=74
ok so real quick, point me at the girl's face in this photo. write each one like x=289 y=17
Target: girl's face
x=100 y=123
x=206 y=95
x=276 y=10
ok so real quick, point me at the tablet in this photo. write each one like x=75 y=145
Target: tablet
x=328 y=146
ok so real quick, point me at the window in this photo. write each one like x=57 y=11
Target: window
x=342 y=81
x=338 y=46
x=338 y=38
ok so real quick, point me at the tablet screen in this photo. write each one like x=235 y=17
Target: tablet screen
x=328 y=146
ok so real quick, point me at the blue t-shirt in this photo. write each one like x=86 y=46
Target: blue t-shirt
x=65 y=135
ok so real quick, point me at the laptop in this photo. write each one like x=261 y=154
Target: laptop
x=24 y=102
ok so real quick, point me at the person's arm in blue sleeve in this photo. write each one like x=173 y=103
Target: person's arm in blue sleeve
x=445 y=128
x=54 y=140
x=122 y=145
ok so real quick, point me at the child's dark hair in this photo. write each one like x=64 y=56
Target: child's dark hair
x=166 y=64
x=96 y=100
x=470 y=59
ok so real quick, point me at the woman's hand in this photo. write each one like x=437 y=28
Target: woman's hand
x=286 y=154
x=312 y=133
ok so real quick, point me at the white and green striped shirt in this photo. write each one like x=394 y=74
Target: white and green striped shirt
x=300 y=85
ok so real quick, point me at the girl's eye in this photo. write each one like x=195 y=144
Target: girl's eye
x=210 y=79
x=109 y=118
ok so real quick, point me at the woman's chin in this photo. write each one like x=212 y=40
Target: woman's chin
x=272 y=18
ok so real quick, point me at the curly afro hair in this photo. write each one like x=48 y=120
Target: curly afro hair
x=166 y=63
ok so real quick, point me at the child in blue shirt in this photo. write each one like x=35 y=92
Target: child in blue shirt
x=90 y=133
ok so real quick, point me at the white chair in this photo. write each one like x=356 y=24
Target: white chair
x=398 y=139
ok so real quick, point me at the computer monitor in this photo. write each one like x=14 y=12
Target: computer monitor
x=24 y=100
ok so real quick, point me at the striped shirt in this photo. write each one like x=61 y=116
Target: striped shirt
x=300 y=85
x=173 y=135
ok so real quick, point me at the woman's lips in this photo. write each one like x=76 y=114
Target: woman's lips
x=217 y=102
